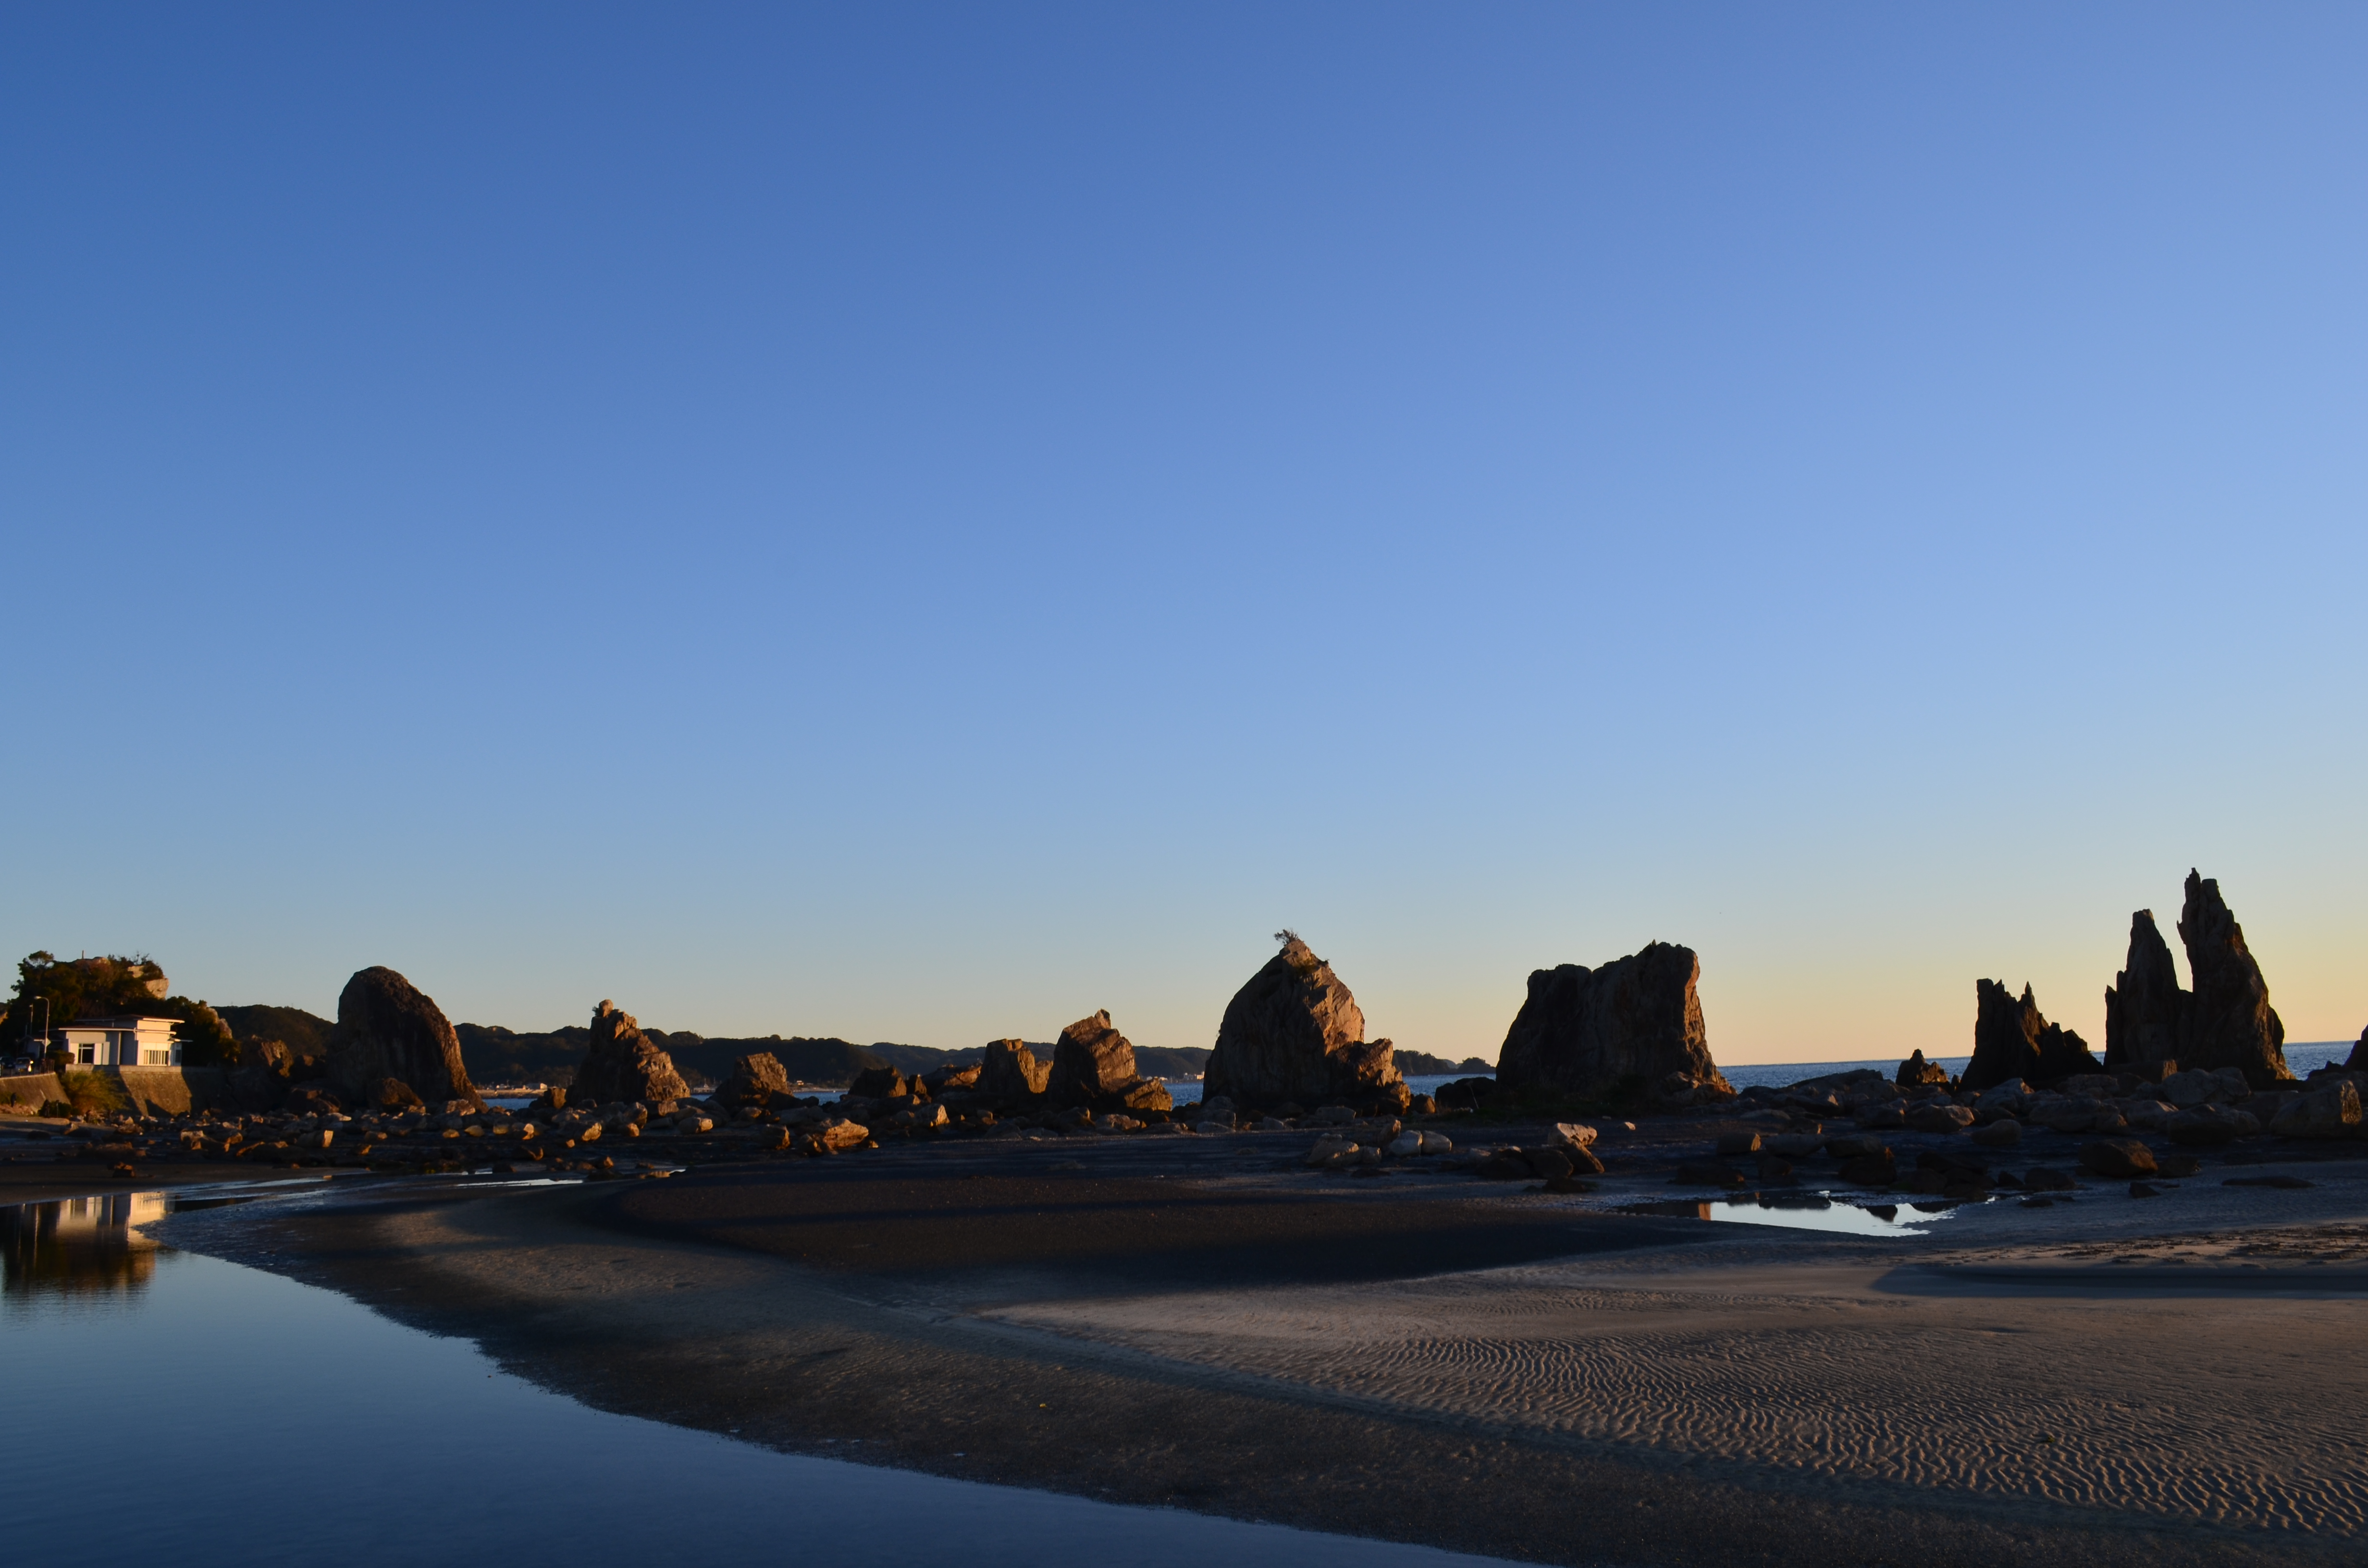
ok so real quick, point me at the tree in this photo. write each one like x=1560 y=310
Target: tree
x=113 y=986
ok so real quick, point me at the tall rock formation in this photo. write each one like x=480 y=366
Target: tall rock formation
x=1093 y=1064
x=621 y=1063
x=2358 y=1060
x=387 y=1028
x=2013 y=1040
x=1012 y=1071
x=2228 y=1021
x=1294 y=1033
x=1582 y=1032
x=2144 y=1004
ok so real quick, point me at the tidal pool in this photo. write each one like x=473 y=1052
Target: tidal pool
x=170 y=1407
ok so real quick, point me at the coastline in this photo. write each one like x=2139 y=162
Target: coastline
x=1478 y=1369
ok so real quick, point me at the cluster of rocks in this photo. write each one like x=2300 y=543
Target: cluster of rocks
x=2152 y=1023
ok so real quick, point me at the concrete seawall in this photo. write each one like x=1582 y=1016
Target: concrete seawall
x=150 y=1091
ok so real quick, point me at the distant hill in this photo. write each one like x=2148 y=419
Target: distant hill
x=306 y=1034
x=495 y=1055
x=1421 y=1065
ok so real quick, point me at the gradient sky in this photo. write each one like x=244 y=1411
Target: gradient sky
x=918 y=523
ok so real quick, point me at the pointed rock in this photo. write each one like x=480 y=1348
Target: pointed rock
x=2145 y=1004
x=388 y=1029
x=2359 y=1059
x=1293 y=1032
x=621 y=1063
x=2013 y=1040
x=1582 y=1032
x=2228 y=1021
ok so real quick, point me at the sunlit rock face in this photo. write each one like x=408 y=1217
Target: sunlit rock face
x=1294 y=1033
x=1582 y=1032
x=623 y=1063
x=388 y=1029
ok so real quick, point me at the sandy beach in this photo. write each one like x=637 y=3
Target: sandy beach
x=1194 y=1322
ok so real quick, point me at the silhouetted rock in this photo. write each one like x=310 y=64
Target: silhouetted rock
x=2228 y=1021
x=754 y=1079
x=939 y=1079
x=621 y=1063
x=879 y=1084
x=2011 y=1040
x=1916 y=1071
x=1582 y=1032
x=1012 y=1071
x=387 y=1028
x=1293 y=1032
x=2145 y=1004
x=2358 y=1060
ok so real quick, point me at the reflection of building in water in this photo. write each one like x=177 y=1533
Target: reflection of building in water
x=79 y=1244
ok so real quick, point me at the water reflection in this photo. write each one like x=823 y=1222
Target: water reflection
x=79 y=1244
x=1812 y=1211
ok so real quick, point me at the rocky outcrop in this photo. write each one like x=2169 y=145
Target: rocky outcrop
x=2013 y=1040
x=2227 y=1021
x=1916 y=1071
x=2145 y=1002
x=2358 y=1060
x=1294 y=1033
x=387 y=1028
x=622 y=1063
x=1093 y=1064
x=1012 y=1071
x=754 y=1079
x=1582 y=1032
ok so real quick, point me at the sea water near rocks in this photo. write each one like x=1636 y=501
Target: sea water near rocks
x=169 y=1407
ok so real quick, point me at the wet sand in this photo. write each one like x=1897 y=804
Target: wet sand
x=1193 y=1323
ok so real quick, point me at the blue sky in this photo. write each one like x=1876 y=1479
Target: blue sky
x=918 y=523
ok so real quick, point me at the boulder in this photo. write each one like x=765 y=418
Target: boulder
x=2120 y=1158
x=2013 y=1040
x=2144 y=1004
x=2003 y=1133
x=2358 y=1060
x=622 y=1065
x=2331 y=1111
x=387 y=1028
x=1012 y=1072
x=2227 y=1021
x=394 y=1094
x=1870 y=1170
x=1916 y=1071
x=1578 y=1134
x=1733 y=1143
x=1582 y=1032
x=1293 y=1032
x=879 y=1084
x=1092 y=1063
x=754 y=1079
x=939 y=1079
x=1940 y=1118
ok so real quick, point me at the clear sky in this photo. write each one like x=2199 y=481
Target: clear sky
x=918 y=523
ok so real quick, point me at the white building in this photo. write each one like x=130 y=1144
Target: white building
x=122 y=1043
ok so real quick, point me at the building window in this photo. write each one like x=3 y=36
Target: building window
x=87 y=1053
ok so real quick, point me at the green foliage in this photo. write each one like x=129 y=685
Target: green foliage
x=93 y=1094
x=114 y=987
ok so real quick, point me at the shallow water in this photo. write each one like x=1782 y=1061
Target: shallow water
x=194 y=1410
x=1816 y=1212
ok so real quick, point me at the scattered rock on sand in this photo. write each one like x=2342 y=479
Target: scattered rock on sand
x=387 y=1028
x=1581 y=1030
x=1870 y=1170
x=1295 y=1033
x=622 y=1065
x=1733 y=1143
x=2121 y=1158
x=2041 y=1178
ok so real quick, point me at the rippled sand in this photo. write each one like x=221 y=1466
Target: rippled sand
x=2247 y=1410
